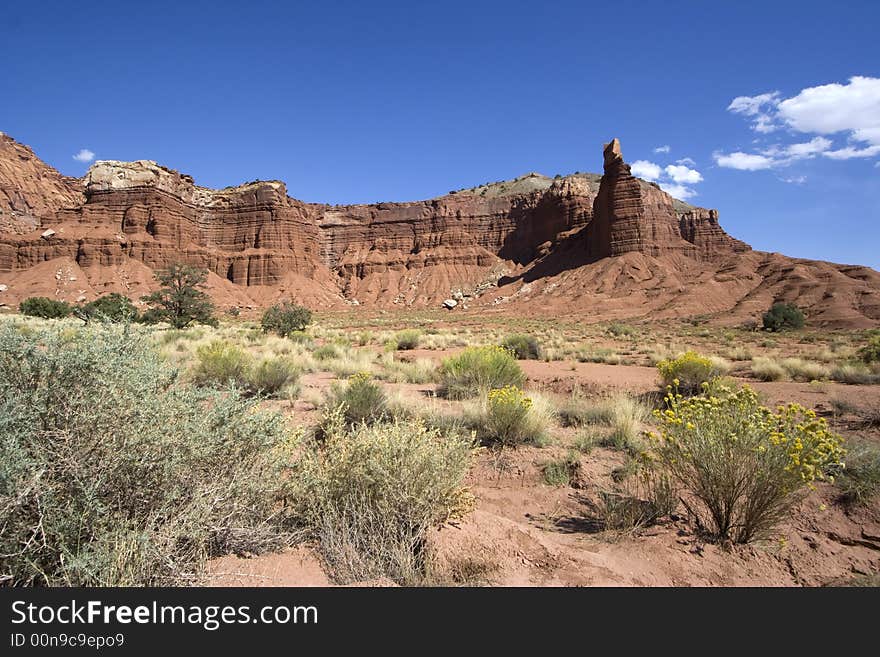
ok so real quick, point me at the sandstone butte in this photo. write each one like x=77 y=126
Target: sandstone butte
x=584 y=245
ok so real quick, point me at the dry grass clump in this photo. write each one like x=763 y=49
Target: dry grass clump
x=419 y=371
x=806 y=371
x=854 y=374
x=370 y=495
x=641 y=499
x=622 y=413
x=859 y=481
x=767 y=369
x=561 y=472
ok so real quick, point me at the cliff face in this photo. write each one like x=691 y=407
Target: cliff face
x=633 y=216
x=30 y=189
x=609 y=244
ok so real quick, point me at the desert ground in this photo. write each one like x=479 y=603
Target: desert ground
x=541 y=514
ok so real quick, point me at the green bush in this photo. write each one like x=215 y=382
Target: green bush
x=112 y=307
x=524 y=347
x=689 y=371
x=221 y=363
x=361 y=400
x=476 y=370
x=870 y=353
x=408 y=339
x=286 y=318
x=620 y=330
x=783 y=316
x=180 y=299
x=271 y=375
x=45 y=308
x=739 y=464
x=370 y=496
x=113 y=473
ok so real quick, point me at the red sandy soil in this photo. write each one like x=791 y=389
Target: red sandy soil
x=523 y=532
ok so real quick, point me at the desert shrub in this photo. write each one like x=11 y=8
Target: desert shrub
x=360 y=400
x=271 y=375
x=45 y=307
x=739 y=463
x=112 y=472
x=689 y=371
x=561 y=472
x=619 y=330
x=870 y=352
x=221 y=363
x=524 y=347
x=767 y=369
x=407 y=339
x=370 y=495
x=510 y=419
x=285 y=318
x=112 y=307
x=476 y=370
x=859 y=481
x=783 y=316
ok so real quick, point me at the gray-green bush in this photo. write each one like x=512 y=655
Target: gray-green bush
x=113 y=472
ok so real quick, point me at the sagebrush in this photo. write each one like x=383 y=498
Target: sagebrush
x=114 y=472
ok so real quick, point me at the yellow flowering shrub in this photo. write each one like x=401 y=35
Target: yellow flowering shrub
x=507 y=415
x=689 y=371
x=476 y=370
x=738 y=463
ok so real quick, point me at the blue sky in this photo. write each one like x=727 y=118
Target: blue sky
x=362 y=102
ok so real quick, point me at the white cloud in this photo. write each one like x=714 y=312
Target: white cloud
x=831 y=108
x=760 y=108
x=743 y=161
x=851 y=109
x=688 y=162
x=663 y=149
x=645 y=169
x=682 y=174
x=672 y=179
x=678 y=191
x=808 y=149
x=850 y=152
x=795 y=180
x=85 y=155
